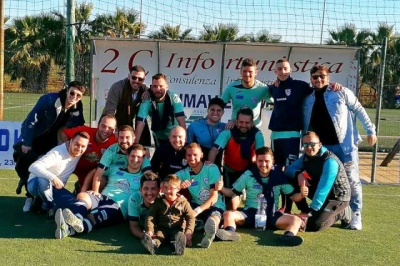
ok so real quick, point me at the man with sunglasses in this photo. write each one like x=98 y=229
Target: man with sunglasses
x=322 y=178
x=124 y=99
x=332 y=116
x=40 y=131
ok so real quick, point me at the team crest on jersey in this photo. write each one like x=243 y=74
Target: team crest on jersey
x=254 y=99
x=288 y=92
x=205 y=180
x=204 y=194
x=123 y=185
x=184 y=162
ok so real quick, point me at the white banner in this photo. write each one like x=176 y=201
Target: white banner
x=195 y=70
x=10 y=133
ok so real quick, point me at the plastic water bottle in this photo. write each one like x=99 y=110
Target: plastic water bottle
x=261 y=215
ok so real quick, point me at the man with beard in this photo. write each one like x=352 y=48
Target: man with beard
x=200 y=179
x=108 y=208
x=263 y=178
x=116 y=157
x=332 y=116
x=247 y=91
x=239 y=145
x=40 y=131
x=165 y=109
x=140 y=202
x=100 y=139
x=50 y=173
x=322 y=178
x=124 y=99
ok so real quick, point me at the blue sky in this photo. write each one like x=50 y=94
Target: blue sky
x=295 y=20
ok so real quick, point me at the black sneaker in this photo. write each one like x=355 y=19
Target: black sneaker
x=225 y=235
x=345 y=218
x=148 y=243
x=180 y=243
x=290 y=241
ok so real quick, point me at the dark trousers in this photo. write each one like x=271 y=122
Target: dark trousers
x=145 y=138
x=162 y=235
x=329 y=214
x=286 y=151
x=22 y=163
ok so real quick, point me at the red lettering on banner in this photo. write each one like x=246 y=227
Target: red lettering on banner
x=305 y=66
x=238 y=63
x=260 y=64
x=116 y=54
x=188 y=63
x=264 y=65
x=302 y=66
x=132 y=59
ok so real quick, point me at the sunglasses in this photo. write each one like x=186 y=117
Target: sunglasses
x=315 y=77
x=78 y=95
x=134 y=78
x=309 y=144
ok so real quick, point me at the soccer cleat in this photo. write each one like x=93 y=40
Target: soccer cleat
x=148 y=243
x=356 y=223
x=225 y=235
x=290 y=241
x=180 y=243
x=62 y=227
x=210 y=229
x=27 y=205
x=72 y=220
x=346 y=217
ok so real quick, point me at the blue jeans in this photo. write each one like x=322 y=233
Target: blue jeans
x=43 y=188
x=350 y=162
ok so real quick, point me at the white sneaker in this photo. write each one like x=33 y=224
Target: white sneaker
x=356 y=223
x=210 y=229
x=27 y=205
x=73 y=220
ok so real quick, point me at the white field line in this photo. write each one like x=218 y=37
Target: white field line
x=18 y=106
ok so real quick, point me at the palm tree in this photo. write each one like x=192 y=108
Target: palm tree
x=392 y=68
x=168 y=32
x=83 y=27
x=33 y=41
x=222 y=32
x=371 y=55
x=123 y=24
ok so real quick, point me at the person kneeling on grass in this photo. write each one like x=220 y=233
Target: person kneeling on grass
x=262 y=178
x=109 y=208
x=169 y=218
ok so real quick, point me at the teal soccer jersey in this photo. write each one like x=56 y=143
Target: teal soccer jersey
x=226 y=135
x=145 y=110
x=251 y=97
x=121 y=184
x=137 y=211
x=114 y=158
x=202 y=183
x=253 y=189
